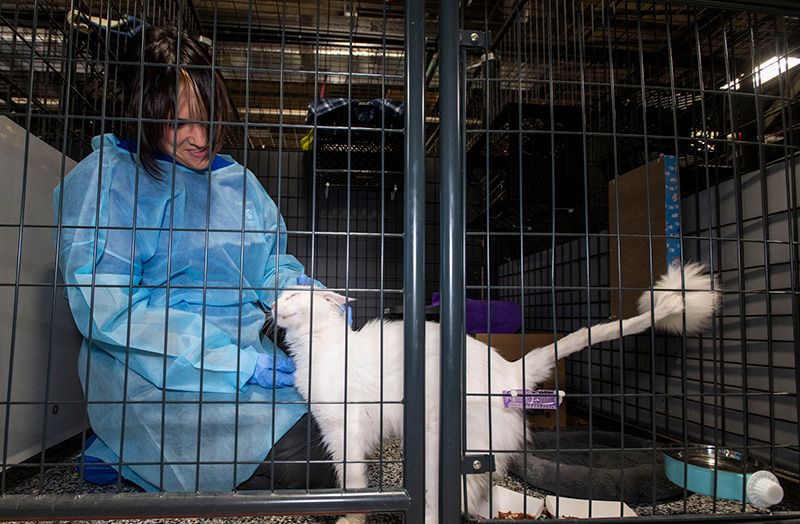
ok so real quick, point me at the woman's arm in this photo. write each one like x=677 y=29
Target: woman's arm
x=282 y=270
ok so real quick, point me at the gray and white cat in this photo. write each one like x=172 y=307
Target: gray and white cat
x=321 y=355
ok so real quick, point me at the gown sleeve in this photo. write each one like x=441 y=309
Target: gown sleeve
x=282 y=269
x=103 y=273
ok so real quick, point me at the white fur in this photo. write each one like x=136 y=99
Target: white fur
x=697 y=288
x=326 y=351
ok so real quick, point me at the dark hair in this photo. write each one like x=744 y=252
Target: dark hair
x=154 y=82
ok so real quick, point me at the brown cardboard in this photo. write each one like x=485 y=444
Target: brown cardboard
x=510 y=347
x=633 y=188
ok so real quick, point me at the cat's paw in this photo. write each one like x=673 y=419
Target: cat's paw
x=352 y=519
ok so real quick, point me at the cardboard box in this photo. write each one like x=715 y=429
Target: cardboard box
x=659 y=180
x=510 y=346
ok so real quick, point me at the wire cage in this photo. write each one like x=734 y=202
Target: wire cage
x=570 y=103
x=581 y=148
x=65 y=66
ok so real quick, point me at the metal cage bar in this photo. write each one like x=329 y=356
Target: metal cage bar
x=452 y=264
x=414 y=269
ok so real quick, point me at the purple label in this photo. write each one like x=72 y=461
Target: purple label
x=532 y=398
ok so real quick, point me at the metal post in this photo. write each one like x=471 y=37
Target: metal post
x=452 y=266
x=414 y=268
x=96 y=506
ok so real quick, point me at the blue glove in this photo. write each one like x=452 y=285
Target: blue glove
x=266 y=369
x=304 y=280
x=347 y=310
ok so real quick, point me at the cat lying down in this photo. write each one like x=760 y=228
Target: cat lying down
x=322 y=347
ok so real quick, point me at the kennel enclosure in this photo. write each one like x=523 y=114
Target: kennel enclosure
x=487 y=151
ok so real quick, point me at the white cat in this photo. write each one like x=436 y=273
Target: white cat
x=320 y=350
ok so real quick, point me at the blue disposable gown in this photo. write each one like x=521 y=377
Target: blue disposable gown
x=123 y=280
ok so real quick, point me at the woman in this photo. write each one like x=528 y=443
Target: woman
x=171 y=252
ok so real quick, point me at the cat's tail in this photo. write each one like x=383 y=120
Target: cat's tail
x=686 y=297
x=694 y=291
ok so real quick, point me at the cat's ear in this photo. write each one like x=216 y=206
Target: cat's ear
x=334 y=298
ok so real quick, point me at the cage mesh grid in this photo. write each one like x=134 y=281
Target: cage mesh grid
x=70 y=58
x=354 y=265
x=315 y=217
x=617 y=84
x=312 y=54
x=622 y=32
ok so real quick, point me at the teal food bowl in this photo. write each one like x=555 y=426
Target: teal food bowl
x=695 y=470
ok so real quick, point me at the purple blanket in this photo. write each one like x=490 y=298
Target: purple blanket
x=506 y=316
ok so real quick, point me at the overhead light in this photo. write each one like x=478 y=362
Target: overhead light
x=709 y=133
x=275 y=111
x=355 y=50
x=343 y=48
x=766 y=71
x=47 y=102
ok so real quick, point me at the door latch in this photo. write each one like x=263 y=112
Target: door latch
x=473 y=464
x=473 y=38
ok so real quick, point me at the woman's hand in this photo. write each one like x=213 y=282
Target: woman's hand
x=304 y=280
x=268 y=369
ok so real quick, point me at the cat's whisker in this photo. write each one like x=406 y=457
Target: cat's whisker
x=269 y=323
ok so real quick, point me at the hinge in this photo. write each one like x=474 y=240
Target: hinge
x=477 y=464
x=473 y=38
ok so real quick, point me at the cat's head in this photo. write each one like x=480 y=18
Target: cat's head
x=295 y=308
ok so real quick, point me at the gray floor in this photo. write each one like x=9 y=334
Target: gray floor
x=66 y=481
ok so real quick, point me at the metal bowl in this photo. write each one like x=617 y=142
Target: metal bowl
x=710 y=471
x=726 y=459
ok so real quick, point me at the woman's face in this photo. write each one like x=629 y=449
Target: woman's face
x=188 y=143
